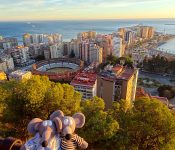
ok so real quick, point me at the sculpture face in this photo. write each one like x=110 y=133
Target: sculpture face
x=68 y=127
x=46 y=130
x=66 y=124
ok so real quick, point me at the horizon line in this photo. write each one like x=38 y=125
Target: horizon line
x=84 y=19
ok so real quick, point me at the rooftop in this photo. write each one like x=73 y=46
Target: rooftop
x=4 y=40
x=117 y=72
x=16 y=49
x=85 y=79
x=19 y=73
x=117 y=68
x=127 y=73
x=140 y=92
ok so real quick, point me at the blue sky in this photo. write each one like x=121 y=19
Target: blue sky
x=85 y=9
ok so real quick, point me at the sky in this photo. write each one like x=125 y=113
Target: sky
x=14 y=10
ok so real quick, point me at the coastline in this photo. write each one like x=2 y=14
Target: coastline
x=157 y=50
x=172 y=37
x=162 y=44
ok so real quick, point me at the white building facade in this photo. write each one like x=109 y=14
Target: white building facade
x=117 y=46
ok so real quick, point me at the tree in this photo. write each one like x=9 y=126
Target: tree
x=111 y=59
x=37 y=97
x=71 y=100
x=171 y=67
x=3 y=97
x=166 y=91
x=72 y=54
x=100 y=126
x=173 y=90
x=157 y=64
x=148 y=125
x=168 y=94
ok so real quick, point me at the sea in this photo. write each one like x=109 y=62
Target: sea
x=70 y=28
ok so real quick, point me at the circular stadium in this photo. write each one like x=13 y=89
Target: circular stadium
x=58 y=69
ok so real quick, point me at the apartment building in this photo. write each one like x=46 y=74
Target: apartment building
x=56 y=50
x=87 y=35
x=20 y=75
x=116 y=83
x=86 y=83
x=29 y=39
x=6 y=62
x=20 y=55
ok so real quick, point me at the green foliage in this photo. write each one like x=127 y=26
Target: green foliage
x=37 y=97
x=100 y=125
x=71 y=100
x=3 y=97
x=127 y=61
x=148 y=125
x=166 y=91
x=113 y=60
x=159 y=64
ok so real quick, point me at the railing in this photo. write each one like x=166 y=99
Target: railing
x=10 y=144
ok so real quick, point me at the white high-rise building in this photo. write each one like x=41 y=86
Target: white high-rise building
x=10 y=63
x=90 y=52
x=74 y=46
x=57 y=38
x=95 y=53
x=56 y=50
x=3 y=66
x=29 y=39
x=6 y=63
x=117 y=46
x=20 y=55
x=84 y=50
x=7 y=43
x=35 y=38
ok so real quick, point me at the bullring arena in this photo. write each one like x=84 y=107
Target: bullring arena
x=58 y=69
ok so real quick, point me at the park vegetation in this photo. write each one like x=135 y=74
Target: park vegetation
x=113 y=60
x=158 y=64
x=149 y=124
x=166 y=91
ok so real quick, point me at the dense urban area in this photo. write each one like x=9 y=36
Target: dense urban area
x=123 y=83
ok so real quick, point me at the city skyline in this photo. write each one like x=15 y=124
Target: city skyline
x=20 y=10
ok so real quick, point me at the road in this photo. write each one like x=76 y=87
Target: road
x=165 y=80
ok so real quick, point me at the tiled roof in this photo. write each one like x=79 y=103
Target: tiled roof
x=85 y=79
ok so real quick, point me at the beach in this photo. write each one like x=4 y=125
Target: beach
x=168 y=46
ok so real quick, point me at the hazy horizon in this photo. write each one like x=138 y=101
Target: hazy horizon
x=120 y=19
